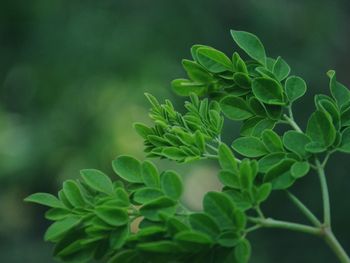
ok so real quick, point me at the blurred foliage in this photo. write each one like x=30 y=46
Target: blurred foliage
x=72 y=78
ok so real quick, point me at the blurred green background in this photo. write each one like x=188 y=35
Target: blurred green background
x=72 y=78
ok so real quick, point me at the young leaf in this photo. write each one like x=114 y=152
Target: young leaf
x=339 y=92
x=268 y=91
x=97 y=180
x=220 y=207
x=295 y=88
x=320 y=128
x=184 y=87
x=213 y=60
x=249 y=146
x=73 y=193
x=59 y=228
x=150 y=174
x=44 y=199
x=226 y=158
x=251 y=44
x=296 y=142
x=128 y=168
x=263 y=192
x=191 y=240
x=113 y=216
x=235 y=108
x=272 y=141
x=196 y=72
x=299 y=169
x=280 y=69
x=246 y=174
x=345 y=141
x=142 y=129
x=171 y=184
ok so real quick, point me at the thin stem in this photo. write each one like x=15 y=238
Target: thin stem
x=334 y=244
x=212 y=147
x=253 y=228
x=210 y=156
x=259 y=212
x=272 y=223
x=306 y=211
x=325 y=194
x=292 y=123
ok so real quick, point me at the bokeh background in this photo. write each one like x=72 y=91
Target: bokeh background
x=72 y=78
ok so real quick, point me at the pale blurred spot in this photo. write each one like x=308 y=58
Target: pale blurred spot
x=200 y=180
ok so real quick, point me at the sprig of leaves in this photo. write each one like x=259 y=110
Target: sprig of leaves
x=96 y=218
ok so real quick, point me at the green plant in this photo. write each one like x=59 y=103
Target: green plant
x=92 y=216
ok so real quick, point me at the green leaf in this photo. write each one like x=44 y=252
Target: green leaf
x=184 y=87
x=268 y=91
x=226 y=158
x=152 y=209
x=315 y=147
x=295 y=88
x=345 y=141
x=73 y=193
x=300 y=169
x=150 y=174
x=330 y=108
x=246 y=174
x=174 y=153
x=339 y=92
x=204 y=223
x=196 y=72
x=113 y=216
x=272 y=141
x=269 y=161
x=220 y=207
x=249 y=146
x=251 y=44
x=128 y=168
x=125 y=256
x=238 y=63
x=320 y=128
x=229 y=179
x=229 y=239
x=118 y=237
x=59 y=228
x=44 y=199
x=171 y=184
x=147 y=194
x=248 y=126
x=261 y=126
x=279 y=175
x=263 y=192
x=191 y=240
x=159 y=247
x=296 y=142
x=97 y=180
x=56 y=214
x=214 y=60
x=142 y=129
x=242 y=80
x=235 y=108
x=280 y=69
x=243 y=251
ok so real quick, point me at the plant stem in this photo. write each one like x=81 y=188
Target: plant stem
x=272 y=223
x=290 y=119
x=306 y=211
x=334 y=244
x=325 y=194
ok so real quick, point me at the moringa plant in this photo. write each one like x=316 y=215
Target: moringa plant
x=92 y=217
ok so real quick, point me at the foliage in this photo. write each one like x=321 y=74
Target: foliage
x=93 y=216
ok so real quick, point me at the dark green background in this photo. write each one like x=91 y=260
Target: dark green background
x=72 y=78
